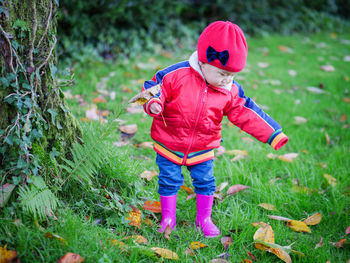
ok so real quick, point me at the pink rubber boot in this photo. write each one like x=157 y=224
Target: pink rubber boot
x=203 y=221
x=168 y=205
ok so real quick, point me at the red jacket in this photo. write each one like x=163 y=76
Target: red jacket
x=193 y=111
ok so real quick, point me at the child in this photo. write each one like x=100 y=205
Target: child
x=194 y=97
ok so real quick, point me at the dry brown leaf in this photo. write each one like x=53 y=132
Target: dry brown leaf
x=8 y=256
x=299 y=120
x=268 y=206
x=314 y=219
x=330 y=179
x=137 y=239
x=246 y=261
x=226 y=241
x=236 y=152
x=340 y=243
x=153 y=206
x=343 y=118
x=145 y=95
x=328 y=139
x=149 y=175
x=285 y=49
x=128 y=129
x=280 y=253
x=190 y=197
x=236 y=188
x=99 y=100
x=239 y=157
x=347 y=100
x=265 y=234
x=315 y=90
x=167 y=232
x=71 y=258
x=288 y=157
x=134 y=217
x=197 y=245
x=251 y=256
x=280 y=218
x=190 y=252
x=298 y=226
x=320 y=243
x=165 y=253
x=54 y=236
x=187 y=189
x=219 y=260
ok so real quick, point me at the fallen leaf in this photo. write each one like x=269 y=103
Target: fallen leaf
x=320 y=243
x=280 y=218
x=121 y=144
x=328 y=139
x=219 y=260
x=187 y=189
x=330 y=179
x=251 y=256
x=226 y=242
x=167 y=232
x=315 y=90
x=343 y=118
x=299 y=120
x=224 y=255
x=153 y=206
x=99 y=100
x=292 y=73
x=265 y=234
x=288 y=157
x=239 y=157
x=8 y=256
x=236 y=152
x=236 y=188
x=347 y=231
x=146 y=145
x=119 y=244
x=197 y=245
x=259 y=224
x=145 y=95
x=134 y=217
x=165 y=253
x=285 y=49
x=137 y=239
x=340 y=243
x=128 y=129
x=328 y=68
x=92 y=113
x=263 y=64
x=347 y=100
x=190 y=252
x=148 y=175
x=5 y=193
x=71 y=258
x=314 y=219
x=280 y=253
x=54 y=236
x=220 y=151
x=268 y=206
x=221 y=187
x=298 y=226
x=246 y=261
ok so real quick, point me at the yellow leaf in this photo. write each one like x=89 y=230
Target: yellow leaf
x=149 y=175
x=137 y=238
x=259 y=224
x=197 y=245
x=265 y=234
x=283 y=255
x=99 y=100
x=330 y=179
x=298 y=226
x=145 y=95
x=167 y=232
x=146 y=145
x=314 y=219
x=71 y=258
x=236 y=152
x=303 y=189
x=187 y=189
x=153 y=206
x=135 y=217
x=118 y=243
x=267 y=206
x=165 y=253
x=7 y=255
x=288 y=157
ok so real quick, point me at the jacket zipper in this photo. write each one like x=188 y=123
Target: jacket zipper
x=202 y=100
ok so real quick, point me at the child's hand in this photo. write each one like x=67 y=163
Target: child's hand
x=155 y=108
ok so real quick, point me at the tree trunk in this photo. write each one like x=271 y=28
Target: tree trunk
x=36 y=128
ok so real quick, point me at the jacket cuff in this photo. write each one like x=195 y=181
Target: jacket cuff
x=279 y=140
x=148 y=104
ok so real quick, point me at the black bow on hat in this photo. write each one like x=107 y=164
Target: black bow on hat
x=222 y=56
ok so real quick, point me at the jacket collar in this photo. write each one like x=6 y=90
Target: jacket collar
x=194 y=63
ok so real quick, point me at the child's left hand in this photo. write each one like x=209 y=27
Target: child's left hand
x=155 y=108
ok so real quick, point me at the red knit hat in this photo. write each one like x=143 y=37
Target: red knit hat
x=223 y=45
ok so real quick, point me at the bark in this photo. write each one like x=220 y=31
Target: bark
x=36 y=56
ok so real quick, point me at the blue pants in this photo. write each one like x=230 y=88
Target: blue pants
x=170 y=177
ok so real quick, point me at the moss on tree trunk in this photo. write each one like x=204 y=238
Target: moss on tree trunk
x=30 y=26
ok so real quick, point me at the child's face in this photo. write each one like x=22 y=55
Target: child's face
x=215 y=76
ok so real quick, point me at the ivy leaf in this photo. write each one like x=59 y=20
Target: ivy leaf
x=53 y=115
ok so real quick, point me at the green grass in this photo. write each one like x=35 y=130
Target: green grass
x=284 y=101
